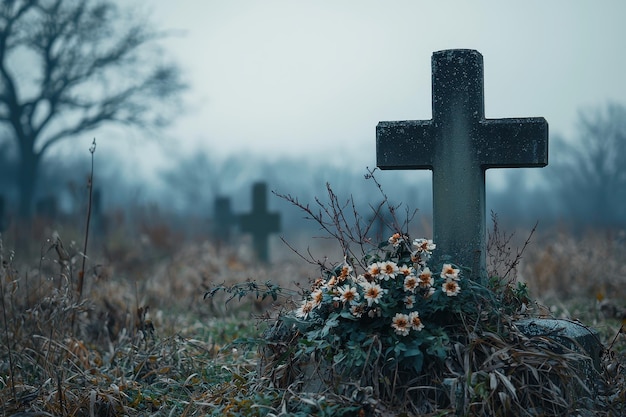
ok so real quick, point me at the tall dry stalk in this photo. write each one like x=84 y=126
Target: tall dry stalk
x=6 y=324
x=81 y=274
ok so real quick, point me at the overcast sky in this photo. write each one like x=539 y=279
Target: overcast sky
x=315 y=77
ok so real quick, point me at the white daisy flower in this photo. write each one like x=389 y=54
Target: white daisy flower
x=388 y=270
x=410 y=283
x=372 y=293
x=415 y=321
x=401 y=324
x=305 y=309
x=426 y=279
x=449 y=272
x=347 y=294
x=451 y=288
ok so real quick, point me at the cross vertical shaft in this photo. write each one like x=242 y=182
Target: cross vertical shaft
x=224 y=219
x=260 y=222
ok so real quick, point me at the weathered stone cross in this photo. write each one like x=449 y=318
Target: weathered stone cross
x=458 y=145
x=260 y=223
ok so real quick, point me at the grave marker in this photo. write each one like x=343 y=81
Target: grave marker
x=458 y=144
x=224 y=219
x=260 y=223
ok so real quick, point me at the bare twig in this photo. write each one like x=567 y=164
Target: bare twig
x=499 y=248
x=348 y=229
x=396 y=226
x=81 y=274
x=310 y=259
x=6 y=325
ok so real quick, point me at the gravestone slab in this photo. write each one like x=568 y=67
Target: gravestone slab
x=260 y=223
x=568 y=333
x=458 y=144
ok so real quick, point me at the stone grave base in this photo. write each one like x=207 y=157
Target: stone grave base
x=552 y=336
x=571 y=337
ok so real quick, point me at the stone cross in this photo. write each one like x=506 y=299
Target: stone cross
x=223 y=218
x=458 y=144
x=260 y=223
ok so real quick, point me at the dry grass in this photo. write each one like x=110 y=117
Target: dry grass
x=144 y=341
x=565 y=265
x=134 y=344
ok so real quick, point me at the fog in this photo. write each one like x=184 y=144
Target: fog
x=290 y=95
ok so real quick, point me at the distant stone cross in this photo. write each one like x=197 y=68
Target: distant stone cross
x=260 y=223
x=458 y=145
x=224 y=219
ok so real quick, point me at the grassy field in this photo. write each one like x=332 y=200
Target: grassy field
x=142 y=339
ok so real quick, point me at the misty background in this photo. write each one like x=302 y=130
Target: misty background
x=214 y=96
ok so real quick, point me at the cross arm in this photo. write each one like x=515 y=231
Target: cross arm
x=513 y=143
x=405 y=145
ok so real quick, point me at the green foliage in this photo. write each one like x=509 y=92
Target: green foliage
x=397 y=302
x=422 y=341
x=242 y=290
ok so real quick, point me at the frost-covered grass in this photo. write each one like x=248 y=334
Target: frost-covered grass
x=143 y=340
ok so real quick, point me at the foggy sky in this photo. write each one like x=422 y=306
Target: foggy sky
x=315 y=77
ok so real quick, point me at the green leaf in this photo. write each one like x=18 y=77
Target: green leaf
x=347 y=315
x=331 y=323
x=417 y=362
x=399 y=348
x=413 y=349
x=340 y=357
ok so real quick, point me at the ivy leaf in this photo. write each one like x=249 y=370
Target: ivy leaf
x=417 y=362
x=338 y=358
x=412 y=352
x=329 y=325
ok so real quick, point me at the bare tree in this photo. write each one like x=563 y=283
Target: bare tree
x=591 y=170
x=68 y=67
